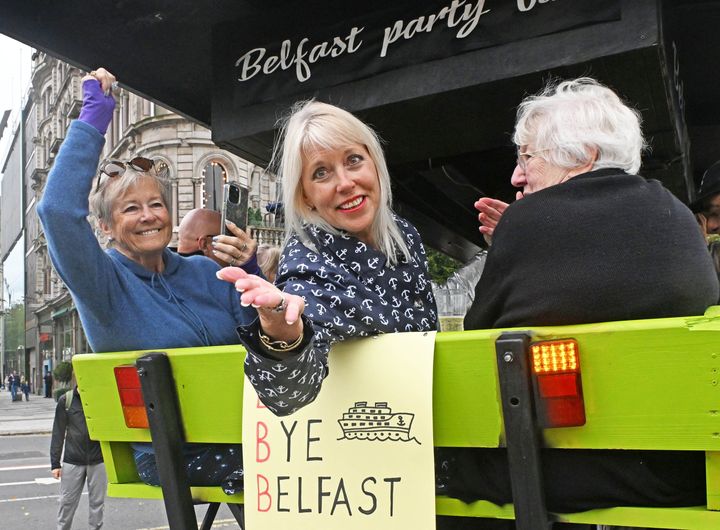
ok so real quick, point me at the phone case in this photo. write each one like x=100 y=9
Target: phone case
x=236 y=212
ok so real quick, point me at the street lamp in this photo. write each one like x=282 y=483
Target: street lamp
x=21 y=358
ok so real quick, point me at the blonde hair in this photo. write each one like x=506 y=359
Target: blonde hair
x=313 y=125
x=268 y=257
x=568 y=119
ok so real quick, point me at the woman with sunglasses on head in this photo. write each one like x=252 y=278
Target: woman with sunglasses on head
x=138 y=294
x=350 y=266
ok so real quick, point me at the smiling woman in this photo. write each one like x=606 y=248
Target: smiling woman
x=350 y=266
x=342 y=187
x=137 y=295
x=132 y=212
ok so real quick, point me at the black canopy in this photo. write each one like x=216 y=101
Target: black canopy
x=439 y=79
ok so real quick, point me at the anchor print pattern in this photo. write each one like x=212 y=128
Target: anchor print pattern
x=349 y=291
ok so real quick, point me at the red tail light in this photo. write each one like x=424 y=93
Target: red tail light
x=128 y=384
x=558 y=387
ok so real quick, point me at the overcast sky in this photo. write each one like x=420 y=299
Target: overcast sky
x=15 y=65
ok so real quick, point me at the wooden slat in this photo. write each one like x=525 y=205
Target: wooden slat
x=712 y=477
x=649 y=384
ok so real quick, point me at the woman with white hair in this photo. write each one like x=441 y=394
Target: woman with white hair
x=590 y=241
x=350 y=266
x=587 y=241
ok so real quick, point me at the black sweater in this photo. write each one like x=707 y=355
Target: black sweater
x=70 y=427
x=602 y=246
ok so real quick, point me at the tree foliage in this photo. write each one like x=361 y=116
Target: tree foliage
x=441 y=265
x=255 y=217
x=63 y=372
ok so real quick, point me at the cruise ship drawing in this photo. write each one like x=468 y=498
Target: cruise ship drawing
x=376 y=422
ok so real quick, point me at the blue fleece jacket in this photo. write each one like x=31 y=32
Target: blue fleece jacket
x=122 y=305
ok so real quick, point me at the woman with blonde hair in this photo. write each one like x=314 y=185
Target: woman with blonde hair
x=350 y=266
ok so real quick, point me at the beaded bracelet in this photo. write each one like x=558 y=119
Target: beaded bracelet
x=279 y=345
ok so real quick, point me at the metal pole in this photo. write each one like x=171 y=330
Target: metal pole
x=166 y=430
x=521 y=431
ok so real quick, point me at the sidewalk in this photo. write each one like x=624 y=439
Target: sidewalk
x=26 y=417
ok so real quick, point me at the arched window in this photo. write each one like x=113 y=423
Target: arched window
x=214 y=176
x=163 y=170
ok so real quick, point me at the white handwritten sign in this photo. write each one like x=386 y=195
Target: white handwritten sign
x=360 y=456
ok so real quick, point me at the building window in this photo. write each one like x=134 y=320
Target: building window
x=214 y=176
x=47 y=286
x=124 y=112
x=83 y=345
x=67 y=337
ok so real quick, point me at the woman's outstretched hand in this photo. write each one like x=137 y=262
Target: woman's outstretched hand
x=98 y=102
x=279 y=312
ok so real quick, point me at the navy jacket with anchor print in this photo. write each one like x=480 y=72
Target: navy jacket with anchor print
x=349 y=291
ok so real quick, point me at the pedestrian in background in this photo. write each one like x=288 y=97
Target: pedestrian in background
x=48 y=383
x=25 y=388
x=82 y=460
x=707 y=211
x=14 y=384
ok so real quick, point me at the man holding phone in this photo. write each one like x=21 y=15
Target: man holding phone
x=199 y=234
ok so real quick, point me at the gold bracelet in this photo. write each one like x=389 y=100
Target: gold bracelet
x=279 y=345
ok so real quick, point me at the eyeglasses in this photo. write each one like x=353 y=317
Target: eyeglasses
x=523 y=159
x=116 y=168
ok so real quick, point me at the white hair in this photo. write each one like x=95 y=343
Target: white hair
x=569 y=119
x=312 y=125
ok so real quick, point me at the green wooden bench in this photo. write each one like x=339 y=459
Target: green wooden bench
x=651 y=384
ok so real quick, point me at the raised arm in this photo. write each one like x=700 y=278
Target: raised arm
x=63 y=209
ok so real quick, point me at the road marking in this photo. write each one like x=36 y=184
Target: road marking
x=35 y=498
x=45 y=481
x=218 y=523
x=18 y=468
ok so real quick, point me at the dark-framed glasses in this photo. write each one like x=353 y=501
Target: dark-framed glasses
x=116 y=168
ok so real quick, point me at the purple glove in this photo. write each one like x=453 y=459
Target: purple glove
x=97 y=108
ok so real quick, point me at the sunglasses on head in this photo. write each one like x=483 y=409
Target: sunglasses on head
x=116 y=168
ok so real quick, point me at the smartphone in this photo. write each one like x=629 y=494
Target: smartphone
x=234 y=206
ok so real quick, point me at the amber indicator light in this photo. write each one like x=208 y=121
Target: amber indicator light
x=557 y=383
x=128 y=384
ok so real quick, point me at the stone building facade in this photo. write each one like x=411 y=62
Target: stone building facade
x=197 y=171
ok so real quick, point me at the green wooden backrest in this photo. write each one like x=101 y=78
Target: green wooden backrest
x=650 y=384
